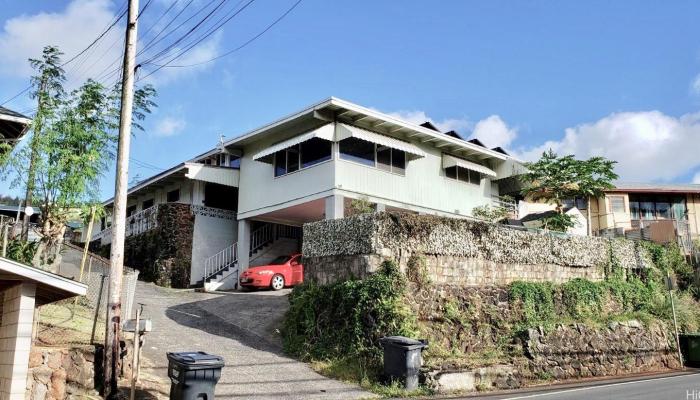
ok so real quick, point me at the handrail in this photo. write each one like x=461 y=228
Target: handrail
x=262 y=236
x=219 y=261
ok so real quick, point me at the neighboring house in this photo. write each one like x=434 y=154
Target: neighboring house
x=13 y=126
x=22 y=290
x=251 y=194
x=534 y=220
x=649 y=210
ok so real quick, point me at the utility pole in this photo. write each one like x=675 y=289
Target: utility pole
x=31 y=178
x=113 y=323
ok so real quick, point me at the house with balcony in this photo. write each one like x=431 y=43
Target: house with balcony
x=658 y=212
x=251 y=194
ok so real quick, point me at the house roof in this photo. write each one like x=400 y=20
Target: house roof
x=13 y=125
x=177 y=171
x=429 y=125
x=49 y=286
x=334 y=109
x=542 y=215
x=655 y=188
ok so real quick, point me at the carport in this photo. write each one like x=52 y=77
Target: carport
x=22 y=290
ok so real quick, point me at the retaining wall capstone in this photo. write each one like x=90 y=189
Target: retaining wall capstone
x=460 y=250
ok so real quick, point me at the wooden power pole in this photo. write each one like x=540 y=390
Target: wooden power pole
x=113 y=323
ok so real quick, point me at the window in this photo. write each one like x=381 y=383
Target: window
x=373 y=155
x=357 y=150
x=304 y=155
x=131 y=210
x=222 y=160
x=147 y=204
x=617 y=204
x=635 y=212
x=173 y=196
x=663 y=210
x=463 y=174
x=315 y=151
x=579 y=202
x=234 y=161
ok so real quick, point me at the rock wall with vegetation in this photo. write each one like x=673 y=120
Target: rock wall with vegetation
x=164 y=254
x=499 y=336
x=460 y=250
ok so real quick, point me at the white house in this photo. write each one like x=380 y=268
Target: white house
x=252 y=193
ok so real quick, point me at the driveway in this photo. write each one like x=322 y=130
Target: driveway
x=241 y=327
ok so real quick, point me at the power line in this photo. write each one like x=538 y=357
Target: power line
x=189 y=32
x=100 y=36
x=251 y=40
x=181 y=53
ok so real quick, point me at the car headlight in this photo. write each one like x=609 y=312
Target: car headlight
x=265 y=272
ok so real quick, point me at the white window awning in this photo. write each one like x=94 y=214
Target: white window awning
x=344 y=131
x=450 y=161
x=324 y=132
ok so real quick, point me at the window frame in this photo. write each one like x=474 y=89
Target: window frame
x=612 y=207
x=391 y=169
x=167 y=196
x=300 y=166
x=151 y=200
x=469 y=179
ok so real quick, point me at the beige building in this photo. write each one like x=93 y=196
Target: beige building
x=630 y=207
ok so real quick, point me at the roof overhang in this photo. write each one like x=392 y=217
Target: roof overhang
x=651 y=188
x=450 y=161
x=13 y=125
x=334 y=109
x=162 y=179
x=50 y=287
x=344 y=131
x=325 y=132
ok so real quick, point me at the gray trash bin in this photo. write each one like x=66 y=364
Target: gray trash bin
x=193 y=375
x=402 y=359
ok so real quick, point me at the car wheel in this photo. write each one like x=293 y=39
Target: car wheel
x=277 y=282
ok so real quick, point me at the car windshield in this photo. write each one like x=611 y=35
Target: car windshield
x=279 y=260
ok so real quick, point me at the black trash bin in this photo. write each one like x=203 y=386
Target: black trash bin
x=193 y=375
x=402 y=359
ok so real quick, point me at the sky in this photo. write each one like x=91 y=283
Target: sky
x=598 y=78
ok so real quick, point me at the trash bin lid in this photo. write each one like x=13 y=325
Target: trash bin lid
x=403 y=341
x=196 y=358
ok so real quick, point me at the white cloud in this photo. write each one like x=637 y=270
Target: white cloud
x=696 y=178
x=71 y=29
x=203 y=52
x=695 y=85
x=169 y=126
x=419 y=117
x=648 y=145
x=494 y=132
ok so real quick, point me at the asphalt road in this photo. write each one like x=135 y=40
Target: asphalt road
x=681 y=387
x=241 y=327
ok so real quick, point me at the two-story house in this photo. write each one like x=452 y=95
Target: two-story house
x=260 y=187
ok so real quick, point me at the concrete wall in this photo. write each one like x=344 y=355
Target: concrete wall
x=15 y=339
x=211 y=235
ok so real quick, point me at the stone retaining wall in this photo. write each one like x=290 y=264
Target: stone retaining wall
x=458 y=250
x=61 y=373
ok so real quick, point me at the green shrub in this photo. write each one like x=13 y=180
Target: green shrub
x=22 y=251
x=345 y=320
x=536 y=301
x=582 y=298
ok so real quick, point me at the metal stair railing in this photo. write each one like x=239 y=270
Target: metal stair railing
x=258 y=239
x=219 y=261
x=262 y=236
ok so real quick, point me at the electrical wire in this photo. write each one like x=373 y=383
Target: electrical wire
x=251 y=40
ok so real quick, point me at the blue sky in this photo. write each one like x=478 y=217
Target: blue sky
x=618 y=79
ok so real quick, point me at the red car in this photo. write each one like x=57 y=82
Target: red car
x=282 y=271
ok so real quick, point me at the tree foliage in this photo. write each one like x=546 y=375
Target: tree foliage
x=555 y=179
x=73 y=139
